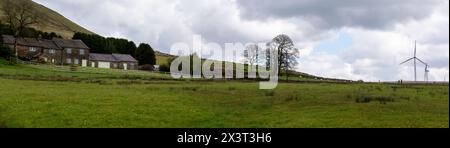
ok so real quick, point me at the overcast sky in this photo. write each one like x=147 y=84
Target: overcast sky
x=349 y=39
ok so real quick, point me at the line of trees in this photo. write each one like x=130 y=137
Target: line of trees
x=28 y=32
x=144 y=53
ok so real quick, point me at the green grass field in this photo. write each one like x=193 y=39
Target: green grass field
x=48 y=96
x=162 y=60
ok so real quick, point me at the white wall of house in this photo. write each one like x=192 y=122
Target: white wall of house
x=125 y=66
x=104 y=65
x=84 y=63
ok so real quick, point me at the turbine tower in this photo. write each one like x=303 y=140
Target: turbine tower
x=415 y=59
x=427 y=70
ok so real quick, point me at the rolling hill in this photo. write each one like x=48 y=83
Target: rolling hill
x=164 y=59
x=51 y=21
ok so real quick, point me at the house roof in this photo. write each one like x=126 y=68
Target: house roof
x=111 y=57
x=101 y=57
x=124 y=57
x=32 y=42
x=8 y=39
x=65 y=43
x=47 y=44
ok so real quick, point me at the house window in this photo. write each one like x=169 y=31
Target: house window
x=69 y=50
x=32 y=49
x=51 y=51
x=76 y=61
x=69 y=61
x=81 y=51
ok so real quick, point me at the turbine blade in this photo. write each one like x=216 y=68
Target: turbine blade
x=415 y=48
x=406 y=61
x=421 y=61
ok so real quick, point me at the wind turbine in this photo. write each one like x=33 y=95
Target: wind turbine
x=427 y=70
x=415 y=62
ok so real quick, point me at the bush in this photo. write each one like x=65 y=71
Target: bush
x=3 y=61
x=190 y=88
x=231 y=88
x=5 y=52
x=164 y=68
x=368 y=99
x=269 y=93
x=291 y=98
x=128 y=82
x=145 y=54
x=147 y=67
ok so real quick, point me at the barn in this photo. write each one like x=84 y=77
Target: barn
x=113 y=61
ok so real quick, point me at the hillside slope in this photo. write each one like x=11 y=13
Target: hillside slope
x=164 y=59
x=51 y=21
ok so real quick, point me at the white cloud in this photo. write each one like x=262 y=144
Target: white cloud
x=388 y=48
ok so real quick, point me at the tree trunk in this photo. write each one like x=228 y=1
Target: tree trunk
x=62 y=58
x=16 y=53
x=280 y=60
x=287 y=66
x=287 y=75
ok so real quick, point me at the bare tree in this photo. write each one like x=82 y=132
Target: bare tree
x=19 y=14
x=287 y=53
x=251 y=54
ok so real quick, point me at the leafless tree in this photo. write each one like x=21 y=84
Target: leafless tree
x=19 y=14
x=251 y=55
x=287 y=53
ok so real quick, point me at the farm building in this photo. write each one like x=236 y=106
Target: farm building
x=69 y=52
x=114 y=61
x=56 y=51
x=75 y=51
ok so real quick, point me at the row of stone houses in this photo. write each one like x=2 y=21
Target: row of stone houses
x=67 y=52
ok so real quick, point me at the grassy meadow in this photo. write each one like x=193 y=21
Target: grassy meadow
x=50 y=96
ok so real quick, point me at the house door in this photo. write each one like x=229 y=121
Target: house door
x=125 y=66
x=84 y=63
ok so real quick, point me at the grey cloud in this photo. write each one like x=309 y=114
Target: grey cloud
x=373 y=14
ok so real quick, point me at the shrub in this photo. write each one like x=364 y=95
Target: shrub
x=128 y=82
x=190 y=88
x=3 y=61
x=164 y=68
x=292 y=98
x=269 y=93
x=368 y=99
x=378 y=88
x=96 y=81
x=147 y=67
x=5 y=52
x=394 y=88
x=145 y=54
x=231 y=88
